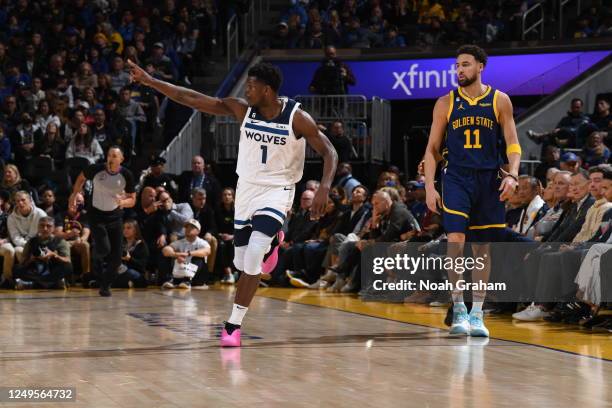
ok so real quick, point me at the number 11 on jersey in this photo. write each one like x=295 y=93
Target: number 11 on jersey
x=469 y=145
x=264 y=154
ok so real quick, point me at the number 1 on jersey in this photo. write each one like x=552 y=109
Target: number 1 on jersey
x=264 y=154
x=467 y=144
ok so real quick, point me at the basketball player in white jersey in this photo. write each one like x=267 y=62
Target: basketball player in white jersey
x=273 y=138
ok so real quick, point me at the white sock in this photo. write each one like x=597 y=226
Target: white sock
x=238 y=313
x=457 y=296
x=476 y=307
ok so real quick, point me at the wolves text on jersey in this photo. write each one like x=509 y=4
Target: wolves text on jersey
x=266 y=138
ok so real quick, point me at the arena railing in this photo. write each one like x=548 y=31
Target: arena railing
x=562 y=4
x=247 y=23
x=331 y=107
x=188 y=142
x=184 y=146
x=381 y=130
x=530 y=166
x=538 y=23
x=370 y=143
x=232 y=40
x=361 y=140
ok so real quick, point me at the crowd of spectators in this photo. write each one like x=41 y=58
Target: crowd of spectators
x=65 y=92
x=180 y=235
x=595 y=21
x=66 y=97
x=178 y=220
x=313 y=24
x=566 y=221
x=578 y=140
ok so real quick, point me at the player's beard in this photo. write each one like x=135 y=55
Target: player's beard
x=467 y=81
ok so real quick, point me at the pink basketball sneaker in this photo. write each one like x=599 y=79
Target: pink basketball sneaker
x=230 y=340
x=271 y=258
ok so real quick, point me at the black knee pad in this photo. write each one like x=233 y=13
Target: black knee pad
x=266 y=225
x=242 y=236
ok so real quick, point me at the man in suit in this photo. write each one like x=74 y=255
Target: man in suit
x=571 y=221
x=197 y=178
x=565 y=230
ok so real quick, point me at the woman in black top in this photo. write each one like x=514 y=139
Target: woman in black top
x=134 y=259
x=225 y=225
x=113 y=190
x=51 y=145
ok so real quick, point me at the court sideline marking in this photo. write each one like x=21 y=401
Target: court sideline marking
x=560 y=338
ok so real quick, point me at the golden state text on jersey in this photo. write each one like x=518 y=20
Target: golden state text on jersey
x=473 y=135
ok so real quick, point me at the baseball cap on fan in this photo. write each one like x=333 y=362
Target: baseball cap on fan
x=569 y=157
x=194 y=223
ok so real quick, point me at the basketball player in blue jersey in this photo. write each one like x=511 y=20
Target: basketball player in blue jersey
x=273 y=136
x=475 y=123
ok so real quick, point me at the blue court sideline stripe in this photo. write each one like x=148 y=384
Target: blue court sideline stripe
x=272 y=210
x=240 y=222
x=267 y=129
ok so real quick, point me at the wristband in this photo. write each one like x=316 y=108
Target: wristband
x=508 y=174
x=511 y=175
x=513 y=148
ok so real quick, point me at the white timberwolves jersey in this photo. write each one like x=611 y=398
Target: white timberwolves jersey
x=269 y=152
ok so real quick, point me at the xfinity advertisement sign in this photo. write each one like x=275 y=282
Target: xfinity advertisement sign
x=532 y=74
x=416 y=79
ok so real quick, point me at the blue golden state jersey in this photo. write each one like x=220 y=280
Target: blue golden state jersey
x=473 y=135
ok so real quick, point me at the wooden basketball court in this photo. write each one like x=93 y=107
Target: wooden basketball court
x=153 y=349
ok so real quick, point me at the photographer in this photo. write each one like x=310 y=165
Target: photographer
x=46 y=259
x=333 y=77
x=164 y=225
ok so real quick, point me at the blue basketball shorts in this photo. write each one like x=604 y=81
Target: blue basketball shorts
x=470 y=203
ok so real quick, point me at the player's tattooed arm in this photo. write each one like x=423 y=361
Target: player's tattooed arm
x=304 y=125
x=432 y=152
x=506 y=121
x=235 y=107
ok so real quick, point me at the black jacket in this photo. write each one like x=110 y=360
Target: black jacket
x=210 y=184
x=570 y=223
x=207 y=220
x=348 y=223
x=398 y=221
x=343 y=146
x=165 y=180
x=139 y=256
x=300 y=227
x=225 y=220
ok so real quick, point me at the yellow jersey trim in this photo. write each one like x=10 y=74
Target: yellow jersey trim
x=450 y=105
x=475 y=101
x=481 y=227
x=495 y=105
x=448 y=210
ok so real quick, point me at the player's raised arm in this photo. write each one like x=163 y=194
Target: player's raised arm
x=305 y=126
x=513 y=150
x=432 y=152
x=235 y=107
